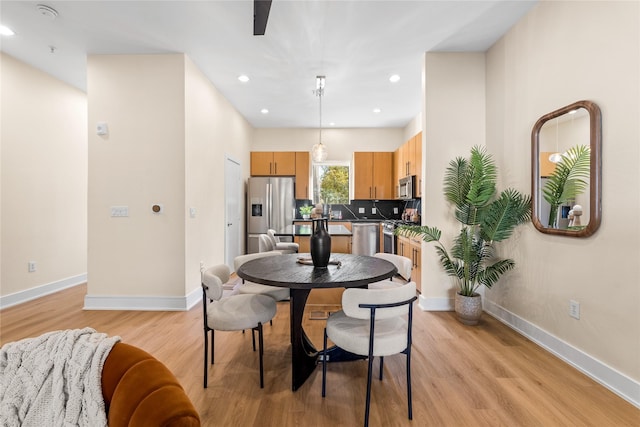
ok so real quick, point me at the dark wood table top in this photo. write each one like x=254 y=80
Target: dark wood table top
x=285 y=271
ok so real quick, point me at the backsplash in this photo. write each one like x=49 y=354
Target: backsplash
x=363 y=209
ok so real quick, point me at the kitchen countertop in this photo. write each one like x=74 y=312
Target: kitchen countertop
x=306 y=230
x=345 y=220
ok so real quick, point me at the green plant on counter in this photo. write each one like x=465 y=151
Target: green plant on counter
x=569 y=179
x=485 y=218
x=305 y=210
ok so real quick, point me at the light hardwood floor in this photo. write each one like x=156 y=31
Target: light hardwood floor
x=486 y=375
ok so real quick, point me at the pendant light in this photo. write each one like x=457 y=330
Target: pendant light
x=556 y=157
x=319 y=151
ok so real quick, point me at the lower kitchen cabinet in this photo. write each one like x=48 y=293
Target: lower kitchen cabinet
x=412 y=249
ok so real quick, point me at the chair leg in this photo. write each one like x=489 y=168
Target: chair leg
x=260 y=353
x=206 y=351
x=253 y=339
x=368 y=402
x=381 y=366
x=409 y=384
x=324 y=363
x=213 y=340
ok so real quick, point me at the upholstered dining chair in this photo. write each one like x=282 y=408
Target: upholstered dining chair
x=275 y=292
x=372 y=323
x=234 y=313
x=402 y=263
x=284 y=246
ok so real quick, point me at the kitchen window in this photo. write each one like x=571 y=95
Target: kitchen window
x=330 y=182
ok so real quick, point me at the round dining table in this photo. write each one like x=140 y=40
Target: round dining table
x=296 y=272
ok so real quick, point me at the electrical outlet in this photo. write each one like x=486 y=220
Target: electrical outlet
x=31 y=266
x=373 y=211
x=395 y=211
x=574 y=309
x=360 y=210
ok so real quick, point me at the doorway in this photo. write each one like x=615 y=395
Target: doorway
x=233 y=194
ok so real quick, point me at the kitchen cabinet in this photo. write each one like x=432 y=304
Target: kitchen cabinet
x=302 y=174
x=546 y=166
x=373 y=175
x=412 y=249
x=407 y=160
x=273 y=163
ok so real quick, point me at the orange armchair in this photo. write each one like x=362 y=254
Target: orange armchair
x=139 y=390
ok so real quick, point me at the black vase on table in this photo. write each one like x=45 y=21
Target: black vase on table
x=320 y=243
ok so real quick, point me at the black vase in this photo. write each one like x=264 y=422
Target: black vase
x=320 y=244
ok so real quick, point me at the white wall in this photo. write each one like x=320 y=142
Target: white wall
x=454 y=121
x=340 y=143
x=562 y=52
x=43 y=182
x=213 y=129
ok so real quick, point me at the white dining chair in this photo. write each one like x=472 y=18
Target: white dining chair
x=275 y=292
x=283 y=246
x=373 y=322
x=234 y=313
x=404 y=266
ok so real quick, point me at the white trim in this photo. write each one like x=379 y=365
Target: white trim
x=141 y=303
x=625 y=387
x=42 y=290
x=194 y=297
x=435 y=304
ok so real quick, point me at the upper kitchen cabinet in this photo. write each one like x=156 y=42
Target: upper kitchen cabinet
x=373 y=175
x=302 y=174
x=277 y=163
x=408 y=161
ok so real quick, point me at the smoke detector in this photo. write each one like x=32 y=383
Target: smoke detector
x=47 y=11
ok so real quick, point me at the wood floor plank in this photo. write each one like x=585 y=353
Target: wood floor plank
x=487 y=375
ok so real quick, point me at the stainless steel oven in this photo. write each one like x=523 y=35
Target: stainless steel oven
x=389 y=240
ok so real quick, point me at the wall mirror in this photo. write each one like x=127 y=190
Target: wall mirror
x=566 y=147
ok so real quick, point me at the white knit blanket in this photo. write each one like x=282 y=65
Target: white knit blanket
x=54 y=379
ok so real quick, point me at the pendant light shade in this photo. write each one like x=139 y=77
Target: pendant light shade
x=319 y=150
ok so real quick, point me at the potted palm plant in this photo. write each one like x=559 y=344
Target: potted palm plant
x=485 y=218
x=569 y=179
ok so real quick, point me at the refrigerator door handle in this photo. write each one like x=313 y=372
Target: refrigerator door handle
x=268 y=202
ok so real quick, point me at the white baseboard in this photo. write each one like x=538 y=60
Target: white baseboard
x=42 y=290
x=435 y=304
x=617 y=382
x=142 y=303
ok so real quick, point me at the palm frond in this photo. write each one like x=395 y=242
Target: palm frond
x=504 y=214
x=483 y=177
x=428 y=234
x=456 y=181
x=491 y=273
x=570 y=176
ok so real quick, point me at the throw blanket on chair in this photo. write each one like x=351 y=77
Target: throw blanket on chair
x=54 y=379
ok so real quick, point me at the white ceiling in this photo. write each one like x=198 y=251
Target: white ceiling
x=357 y=45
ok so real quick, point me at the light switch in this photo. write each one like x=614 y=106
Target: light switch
x=192 y=212
x=119 y=211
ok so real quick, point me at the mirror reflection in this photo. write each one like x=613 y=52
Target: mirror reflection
x=566 y=170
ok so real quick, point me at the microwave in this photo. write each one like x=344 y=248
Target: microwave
x=407 y=187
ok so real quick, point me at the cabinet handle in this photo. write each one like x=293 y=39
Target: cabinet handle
x=275 y=168
x=369 y=192
x=375 y=192
x=270 y=171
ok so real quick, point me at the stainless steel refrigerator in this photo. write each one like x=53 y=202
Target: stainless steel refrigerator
x=270 y=204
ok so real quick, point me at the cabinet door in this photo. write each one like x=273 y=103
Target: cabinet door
x=341 y=244
x=416 y=257
x=362 y=167
x=397 y=172
x=302 y=175
x=382 y=175
x=418 y=162
x=284 y=163
x=261 y=163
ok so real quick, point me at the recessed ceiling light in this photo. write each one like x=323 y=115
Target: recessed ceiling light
x=264 y=111
x=332 y=124
x=243 y=78
x=376 y=110
x=6 y=31
x=394 y=79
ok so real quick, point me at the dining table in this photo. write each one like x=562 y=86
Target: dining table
x=296 y=272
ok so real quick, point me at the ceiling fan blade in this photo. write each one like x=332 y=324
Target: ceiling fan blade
x=260 y=15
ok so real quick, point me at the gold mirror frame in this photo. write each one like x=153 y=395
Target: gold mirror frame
x=595 y=174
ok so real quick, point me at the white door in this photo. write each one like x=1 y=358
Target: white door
x=233 y=196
